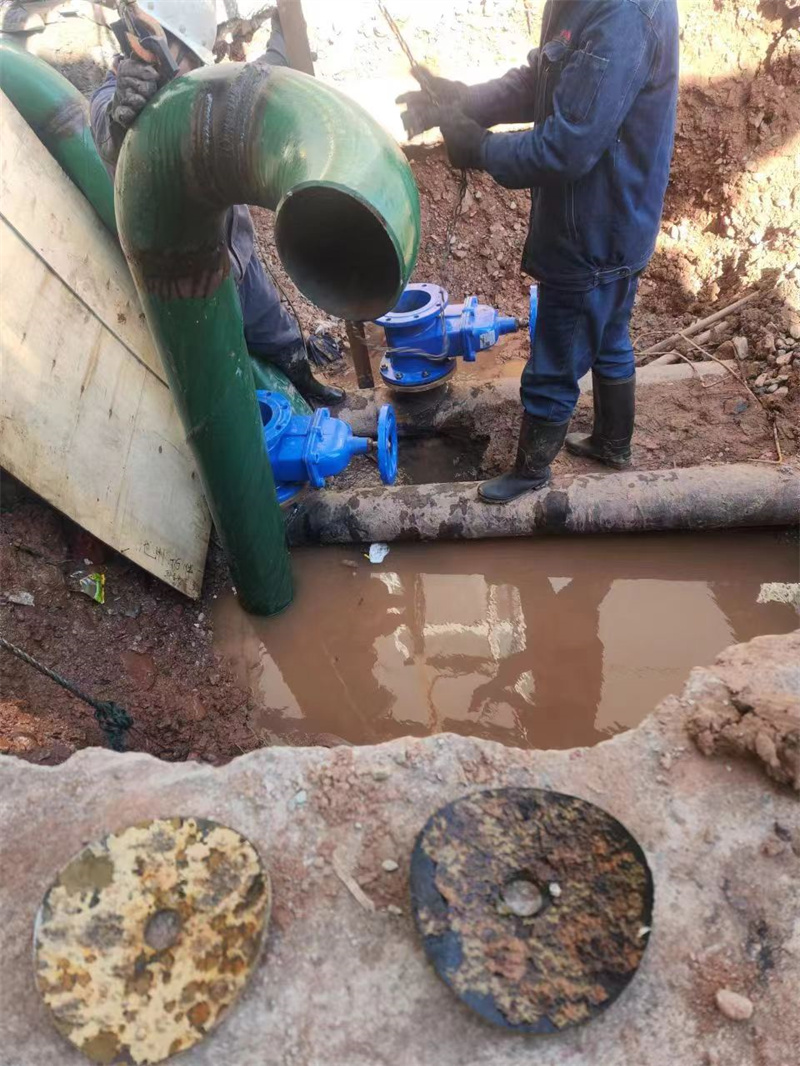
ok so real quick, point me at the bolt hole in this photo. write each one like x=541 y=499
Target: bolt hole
x=163 y=929
x=521 y=896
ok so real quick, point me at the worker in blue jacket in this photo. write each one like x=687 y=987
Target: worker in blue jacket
x=271 y=334
x=601 y=90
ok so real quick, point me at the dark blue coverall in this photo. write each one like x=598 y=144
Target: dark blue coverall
x=270 y=333
x=602 y=91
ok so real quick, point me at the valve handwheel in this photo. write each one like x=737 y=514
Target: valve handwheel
x=387 y=444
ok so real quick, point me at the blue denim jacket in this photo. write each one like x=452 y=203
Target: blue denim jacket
x=602 y=90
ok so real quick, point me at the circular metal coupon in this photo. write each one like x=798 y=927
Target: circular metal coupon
x=147 y=937
x=534 y=907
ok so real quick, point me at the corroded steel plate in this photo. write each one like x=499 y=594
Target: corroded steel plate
x=534 y=907
x=147 y=936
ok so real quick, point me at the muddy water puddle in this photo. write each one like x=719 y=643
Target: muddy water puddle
x=536 y=643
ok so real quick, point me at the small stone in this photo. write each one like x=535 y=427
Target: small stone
x=381 y=774
x=22 y=599
x=756 y=237
x=761 y=380
x=779 y=393
x=794 y=329
x=740 y=347
x=394 y=909
x=783 y=359
x=554 y=888
x=300 y=798
x=513 y=205
x=459 y=253
x=478 y=195
x=389 y=865
x=768 y=342
x=674 y=232
x=734 y=1006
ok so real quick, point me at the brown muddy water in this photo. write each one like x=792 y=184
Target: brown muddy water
x=546 y=643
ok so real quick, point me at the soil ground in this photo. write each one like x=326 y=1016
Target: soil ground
x=731 y=224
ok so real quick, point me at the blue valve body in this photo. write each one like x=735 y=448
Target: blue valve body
x=308 y=448
x=425 y=335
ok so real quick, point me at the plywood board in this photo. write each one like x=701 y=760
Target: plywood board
x=86 y=420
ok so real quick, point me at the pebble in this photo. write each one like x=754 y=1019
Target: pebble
x=380 y=774
x=734 y=1006
x=22 y=599
x=781 y=392
x=389 y=865
x=394 y=909
x=783 y=359
x=761 y=380
x=794 y=330
x=478 y=195
x=300 y=798
x=555 y=889
x=740 y=347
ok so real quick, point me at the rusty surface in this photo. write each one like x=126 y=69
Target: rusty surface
x=147 y=936
x=534 y=907
x=360 y=354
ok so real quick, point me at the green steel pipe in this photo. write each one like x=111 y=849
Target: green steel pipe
x=347 y=232
x=59 y=116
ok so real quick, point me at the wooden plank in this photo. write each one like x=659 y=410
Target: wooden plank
x=84 y=420
x=64 y=230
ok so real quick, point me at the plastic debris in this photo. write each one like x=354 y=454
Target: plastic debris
x=378 y=552
x=94 y=586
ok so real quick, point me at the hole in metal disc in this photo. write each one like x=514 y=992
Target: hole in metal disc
x=521 y=896
x=163 y=929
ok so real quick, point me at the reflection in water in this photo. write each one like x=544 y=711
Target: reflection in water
x=538 y=643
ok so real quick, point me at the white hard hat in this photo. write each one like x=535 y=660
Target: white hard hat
x=193 y=22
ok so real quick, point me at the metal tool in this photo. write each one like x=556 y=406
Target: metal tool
x=141 y=35
x=533 y=907
x=308 y=448
x=425 y=335
x=148 y=936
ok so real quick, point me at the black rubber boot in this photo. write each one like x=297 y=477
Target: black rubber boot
x=539 y=443
x=614 y=411
x=313 y=391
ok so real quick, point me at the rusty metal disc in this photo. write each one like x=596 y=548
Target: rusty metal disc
x=146 y=938
x=534 y=907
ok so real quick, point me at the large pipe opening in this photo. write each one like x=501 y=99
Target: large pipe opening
x=338 y=252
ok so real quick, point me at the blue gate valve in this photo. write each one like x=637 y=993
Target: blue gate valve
x=308 y=448
x=425 y=335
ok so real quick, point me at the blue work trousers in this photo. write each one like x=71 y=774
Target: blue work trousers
x=270 y=332
x=576 y=332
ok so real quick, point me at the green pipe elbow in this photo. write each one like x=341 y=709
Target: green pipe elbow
x=346 y=205
x=347 y=232
x=59 y=116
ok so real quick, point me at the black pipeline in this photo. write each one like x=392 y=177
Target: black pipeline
x=695 y=498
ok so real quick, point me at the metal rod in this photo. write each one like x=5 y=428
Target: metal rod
x=360 y=353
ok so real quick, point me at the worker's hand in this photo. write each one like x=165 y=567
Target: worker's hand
x=423 y=106
x=463 y=138
x=137 y=82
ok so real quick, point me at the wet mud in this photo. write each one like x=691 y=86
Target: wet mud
x=551 y=643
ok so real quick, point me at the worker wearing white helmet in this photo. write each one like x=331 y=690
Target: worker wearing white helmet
x=191 y=26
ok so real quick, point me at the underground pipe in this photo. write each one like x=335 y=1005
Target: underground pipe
x=346 y=229
x=694 y=498
x=469 y=408
x=59 y=116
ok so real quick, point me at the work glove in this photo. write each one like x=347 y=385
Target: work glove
x=463 y=138
x=137 y=82
x=423 y=105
